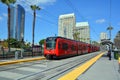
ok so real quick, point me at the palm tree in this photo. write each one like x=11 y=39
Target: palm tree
x=34 y=8
x=110 y=28
x=8 y=2
x=76 y=36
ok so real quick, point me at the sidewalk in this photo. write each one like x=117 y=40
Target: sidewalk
x=103 y=69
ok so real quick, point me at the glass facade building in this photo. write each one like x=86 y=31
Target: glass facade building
x=17 y=22
x=117 y=40
x=20 y=24
x=12 y=21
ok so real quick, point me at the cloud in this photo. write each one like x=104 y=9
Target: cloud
x=119 y=24
x=37 y=2
x=1 y=18
x=42 y=3
x=89 y=17
x=100 y=21
x=5 y=14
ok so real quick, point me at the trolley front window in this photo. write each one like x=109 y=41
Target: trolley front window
x=50 y=43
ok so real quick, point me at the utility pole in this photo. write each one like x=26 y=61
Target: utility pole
x=110 y=28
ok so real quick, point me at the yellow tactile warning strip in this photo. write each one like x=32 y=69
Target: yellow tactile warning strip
x=21 y=60
x=119 y=60
x=78 y=71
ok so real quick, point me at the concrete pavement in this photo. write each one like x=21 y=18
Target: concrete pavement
x=26 y=59
x=103 y=69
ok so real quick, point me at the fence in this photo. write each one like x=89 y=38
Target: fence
x=26 y=53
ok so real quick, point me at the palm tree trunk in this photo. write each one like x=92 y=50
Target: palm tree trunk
x=33 y=30
x=8 y=28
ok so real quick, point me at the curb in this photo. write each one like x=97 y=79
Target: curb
x=21 y=60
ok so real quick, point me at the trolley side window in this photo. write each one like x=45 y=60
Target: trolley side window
x=50 y=43
x=73 y=48
x=64 y=46
x=59 y=45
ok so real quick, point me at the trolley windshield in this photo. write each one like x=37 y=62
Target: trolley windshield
x=50 y=43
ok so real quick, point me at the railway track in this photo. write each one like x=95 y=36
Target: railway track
x=42 y=70
x=54 y=72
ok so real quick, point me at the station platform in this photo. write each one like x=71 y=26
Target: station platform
x=98 y=68
x=25 y=59
x=102 y=69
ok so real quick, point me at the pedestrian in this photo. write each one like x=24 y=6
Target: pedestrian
x=109 y=54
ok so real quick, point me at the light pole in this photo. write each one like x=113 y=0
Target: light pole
x=110 y=28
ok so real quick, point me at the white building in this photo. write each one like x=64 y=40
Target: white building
x=84 y=31
x=103 y=36
x=66 y=25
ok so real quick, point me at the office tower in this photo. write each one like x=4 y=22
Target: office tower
x=20 y=23
x=103 y=36
x=117 y=40
x=17 y=21
x=66 y=25
x=83 y=31
x=12 y=21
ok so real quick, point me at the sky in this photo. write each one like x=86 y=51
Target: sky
x=96 y=12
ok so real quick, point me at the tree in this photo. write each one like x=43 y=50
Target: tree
x=76 y=36
x=4 y=43
x=95 y=43
x=110 y=28
x=14 y=43
x=8 y=2
x=34 y=8
x=41 y=42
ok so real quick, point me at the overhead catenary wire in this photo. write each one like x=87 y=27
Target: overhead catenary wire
x=39 y=17
x=69 y=3
x=43 y=19
x=110 y=14
x=51 y=15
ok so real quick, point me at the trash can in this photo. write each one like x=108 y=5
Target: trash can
x=116 y=55
x=21 y=56
x=17 y=54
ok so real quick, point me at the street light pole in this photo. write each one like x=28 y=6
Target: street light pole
x=110 y=28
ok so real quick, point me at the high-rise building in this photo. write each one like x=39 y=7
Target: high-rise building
x=117 y=40
x=17 y=21
x=12 y=21
x=66 y=25
x=83 y=31
x=103 y=36
x=20 y=23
